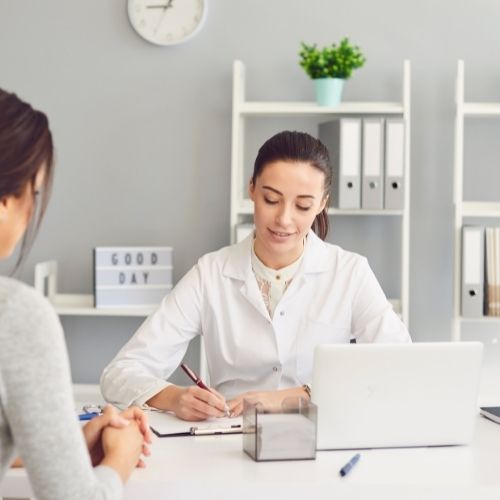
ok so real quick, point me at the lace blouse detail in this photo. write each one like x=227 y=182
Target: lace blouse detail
x=273 y=283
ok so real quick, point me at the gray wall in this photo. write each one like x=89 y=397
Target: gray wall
x=143 y=133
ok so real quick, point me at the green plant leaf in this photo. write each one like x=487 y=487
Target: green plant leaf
x=335 y=61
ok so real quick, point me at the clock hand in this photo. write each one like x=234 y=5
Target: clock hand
x=165 y=8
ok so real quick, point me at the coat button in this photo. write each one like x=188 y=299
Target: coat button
x=282 y=313
x=275 y=369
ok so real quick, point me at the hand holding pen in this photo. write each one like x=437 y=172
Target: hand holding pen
x=209 y=397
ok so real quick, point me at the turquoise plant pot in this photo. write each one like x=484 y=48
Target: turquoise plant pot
x=328 y=91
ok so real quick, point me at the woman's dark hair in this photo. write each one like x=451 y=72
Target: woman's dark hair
x=298 y=147
x=25 y=148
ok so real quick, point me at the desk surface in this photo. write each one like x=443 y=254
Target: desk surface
x=207 y=467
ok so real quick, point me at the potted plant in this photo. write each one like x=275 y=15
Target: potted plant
x=329 y=67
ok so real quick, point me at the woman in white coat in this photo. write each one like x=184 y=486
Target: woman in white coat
x=262 y=305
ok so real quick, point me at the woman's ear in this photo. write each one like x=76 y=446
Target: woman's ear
x=4 y=208
x=324 y=203
x=251 y=190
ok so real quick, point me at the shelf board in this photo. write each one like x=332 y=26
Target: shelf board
x=246 y=208
x=312 y=109
x=482 y=319
x=83 y=305
x=480 y=209
x=481 y=109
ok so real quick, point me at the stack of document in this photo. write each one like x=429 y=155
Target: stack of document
x=368 y=159
x=480 y=271
x=492 y=271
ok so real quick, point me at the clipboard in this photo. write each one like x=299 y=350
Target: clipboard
x=166 y=424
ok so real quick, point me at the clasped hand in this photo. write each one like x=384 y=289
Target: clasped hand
x=128 y=430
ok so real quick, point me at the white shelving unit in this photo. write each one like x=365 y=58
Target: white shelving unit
x=467 y=209
x=242 y=206
x=75 y=304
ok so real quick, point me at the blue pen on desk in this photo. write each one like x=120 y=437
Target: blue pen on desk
x=88 y=416
x=349 y=465
x=90 y=411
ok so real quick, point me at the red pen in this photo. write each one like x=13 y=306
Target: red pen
x=197 y=380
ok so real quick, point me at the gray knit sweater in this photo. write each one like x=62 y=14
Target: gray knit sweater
x=37 y=416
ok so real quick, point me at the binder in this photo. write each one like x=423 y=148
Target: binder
x=472 y=271
x=394 y=163
x=490 y=272
x=496 y=265
x=342 y=137
x=492 y=288
x=372 y=180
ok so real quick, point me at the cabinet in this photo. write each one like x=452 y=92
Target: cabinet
x=242 y=207
x=467 y=210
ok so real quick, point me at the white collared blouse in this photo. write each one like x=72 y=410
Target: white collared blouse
x=334 y=295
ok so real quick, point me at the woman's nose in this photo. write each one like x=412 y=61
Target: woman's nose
x=284 y=216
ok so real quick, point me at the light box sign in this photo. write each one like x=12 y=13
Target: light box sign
x=132 y=276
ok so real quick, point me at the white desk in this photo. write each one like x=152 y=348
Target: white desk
x=215 y=467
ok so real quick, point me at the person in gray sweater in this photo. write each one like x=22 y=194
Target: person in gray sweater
x=37 y=416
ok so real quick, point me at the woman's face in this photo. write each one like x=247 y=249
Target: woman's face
x=287 y=197
x=15 y=215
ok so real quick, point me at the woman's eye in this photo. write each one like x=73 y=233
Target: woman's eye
x=270 y=202
x=304 y=209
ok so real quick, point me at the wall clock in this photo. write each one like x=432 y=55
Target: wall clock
x=167 y=22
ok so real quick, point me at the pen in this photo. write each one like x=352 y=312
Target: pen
x=349 y=465
x=88 y=416
x=197 y=380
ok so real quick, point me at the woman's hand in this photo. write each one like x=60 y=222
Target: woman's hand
x=92 y=431
x=270 y=400
x=136 y=414
x=122 y=447
x=194 y=403
x=190 y=403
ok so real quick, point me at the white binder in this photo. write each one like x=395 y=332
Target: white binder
x=342 y=137
x=394 y=163
x=372 y=183
x=472 y=271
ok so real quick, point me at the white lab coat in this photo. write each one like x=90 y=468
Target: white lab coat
x=334 y=295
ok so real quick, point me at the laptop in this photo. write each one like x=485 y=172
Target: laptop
x=395 y=395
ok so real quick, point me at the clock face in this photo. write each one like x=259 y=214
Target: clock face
x=167 y=22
